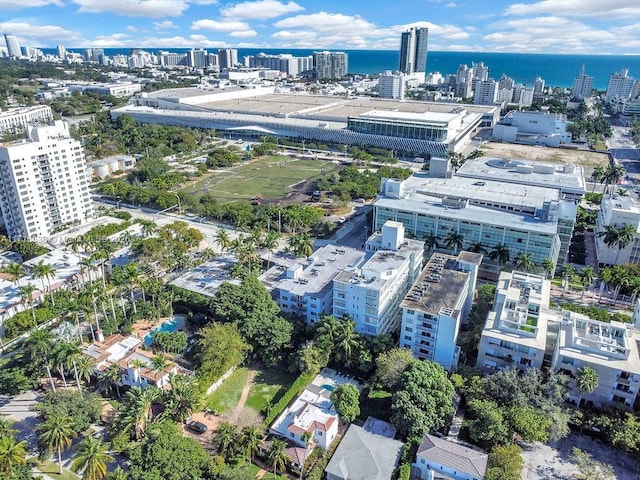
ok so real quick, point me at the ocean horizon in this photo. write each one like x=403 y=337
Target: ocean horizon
x=557 y=70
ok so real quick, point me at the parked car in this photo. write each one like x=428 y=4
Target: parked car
x=197 y=427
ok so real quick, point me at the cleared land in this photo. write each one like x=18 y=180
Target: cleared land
x=586 y=158
x=228 y=394
x=272 y=177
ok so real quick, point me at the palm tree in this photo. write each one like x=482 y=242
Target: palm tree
x=597 y=176
x=431 y=242
x=307 y=438
x=222 y=239
x=149 y=227
x=612 y=175
x=137 y=413
x=12 y=453
x=329 y=326
x=347 y=340
x=91 y=458
x=523 y=262
x=586 y=381
x=118 y=474
x=302 y=244
x=87 y=265
x=15 y=270
x=64 y=355
x=56 y=434
x=277 y=456
x=183 y=398
x=226 y=438
x=250 y=439
x=26 y=293
x=6 y=427
x=138 y=365
x=110 y=378
x=94 y=292
x=499 y=253
x=477 y=248
x=44 y=272
x=85 y=366
x=618 y=237
x=454 y=241
x=548 y=266
x=270 y=242
x=568 y=273
x=586 y=277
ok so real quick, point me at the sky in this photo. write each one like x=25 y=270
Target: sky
x=525 y=26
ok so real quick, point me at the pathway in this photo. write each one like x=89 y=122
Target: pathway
x=234 y=416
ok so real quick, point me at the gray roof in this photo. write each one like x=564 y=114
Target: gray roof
x=364 y=456
x=453 y=455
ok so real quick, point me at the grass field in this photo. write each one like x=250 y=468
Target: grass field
x=51 y=469
x=228 y=394
x=268 y=386
x=272 y=177
x=254 y=469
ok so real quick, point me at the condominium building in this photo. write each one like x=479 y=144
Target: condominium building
x=413 y=51
x=486 y=92
x=582 y=85
x=330 y=64
x=371 y=294
x=617 y=210
x=515 y=333
x=611 y=349
x=437 y=304
x=13 y=46
x=538 y=86
x=620 y=86
x=525 y=218
x=391 y=86
x=62 y=52
x=305 y=287
x=286 y=63
x=227 y=58
x=15 y=119
x=43 y=183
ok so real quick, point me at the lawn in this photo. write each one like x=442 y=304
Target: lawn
x=271 y=177
x=51 y=469
x=268 y=386
x=228 y=394
x=254 y=469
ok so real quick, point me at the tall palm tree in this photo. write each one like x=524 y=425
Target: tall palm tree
x=12 y=454
x=302 y=244
x=329 y=326
x=56 y=434
x=431 y=241
x=454 y=241
x=94 y=291
x=270 y=242
x=477 y=247
x=250 y=439
x=110 y=378
x=568 y=273
x=226 y=438
x=307 y=439
x=347 y=340
x=26 y=293
x=6 y=427
x=222 y=240
x=183 y=398
x=118 y=474
x=85 y=366
x=44 y=271
x=597 y=176
x=149 y=227
x=15 y=270
x=277 y=456
x=523 y=262
x=586 y=277
x=137 y=413
x=548 y=266
x=64 y=355
x=586 y=381
x=618 y=237
x=138 y=365
x=91 y=459
x=499 y=253
x=87 y=265
x=612 y=175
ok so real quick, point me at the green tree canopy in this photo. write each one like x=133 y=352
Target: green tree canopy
x=505 y=463
x=391 y=364
x=220 y=347
x=346 y=399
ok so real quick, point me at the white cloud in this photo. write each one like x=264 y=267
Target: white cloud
x=110 y=41
x=294 y=35
x=132 y=29
x=135 y=8
x=451 y=32
x=578 y=8
x=203 y=2
x=20 y=4
x=31 y=34
x=219 y=26
x=451 y=5
x=244 y=34
x=164 y=25
x=260 y=9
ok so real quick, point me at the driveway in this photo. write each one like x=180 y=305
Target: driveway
x=20 y=409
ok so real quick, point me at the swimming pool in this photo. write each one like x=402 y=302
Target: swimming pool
x=326 y=386
x=174 y=323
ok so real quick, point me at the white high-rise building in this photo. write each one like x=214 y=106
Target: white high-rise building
x=618 y=210
x=330 y=64
x=13 y=46
x=43 y=183
x=582 y=85
x=227 y=58
x=486 y=92
x=620 y=86
x=391 y=86
x=62 y=52
x=480 y=71
x=413 y=51
x=538 y=86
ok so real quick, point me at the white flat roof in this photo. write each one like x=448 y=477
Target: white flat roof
x=422 y=117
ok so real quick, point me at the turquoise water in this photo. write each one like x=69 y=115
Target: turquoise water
x=171 y=325
x=328 y=387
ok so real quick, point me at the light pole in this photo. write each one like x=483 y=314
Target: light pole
x=179 y=206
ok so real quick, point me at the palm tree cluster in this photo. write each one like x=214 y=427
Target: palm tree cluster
x=13 y=453
x=608 y=176
x=618 y=237
x=231 y=442
x=623 y=279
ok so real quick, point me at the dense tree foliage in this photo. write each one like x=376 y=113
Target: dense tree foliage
x=505 y=463
x=390 y=365
x=346 y=399
x=220 y=347
x=352 y=183
x=83 y=409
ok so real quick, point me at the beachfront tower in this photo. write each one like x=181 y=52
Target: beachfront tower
x=413 y=51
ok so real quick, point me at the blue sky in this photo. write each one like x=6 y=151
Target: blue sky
x=546 y=26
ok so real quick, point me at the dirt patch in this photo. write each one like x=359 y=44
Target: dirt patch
x=240 y=415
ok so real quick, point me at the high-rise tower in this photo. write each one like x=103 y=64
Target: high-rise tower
x=413 y=50
x=13 y=46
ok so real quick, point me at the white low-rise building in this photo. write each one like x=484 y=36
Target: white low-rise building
x=534 y=128
x=18 y=118
x=437 y=304
x=617 y=210
x=371 y=294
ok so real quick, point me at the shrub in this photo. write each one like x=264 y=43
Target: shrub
x=296 y=387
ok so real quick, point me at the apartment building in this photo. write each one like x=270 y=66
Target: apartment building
x=413 y=51
x=617 y=210
x=515 y=333
x=620 y=86
x=485 y=92
x=524 y=217
x=582 y=85
x=611 y=349
x=371 y=294
x=437 y=304
x=305 y=287
x=43 y=183
x=330 y=64
x=391 y=86
x=15 y=119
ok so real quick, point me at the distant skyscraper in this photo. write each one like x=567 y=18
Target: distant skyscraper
x=538 y=86
x=480 y=71
x=62 y=52
x=197 y=58
x=391 y=86
x=582 y=85
x=13 y=46
x=228 y=57
x=620 y=86
x=413 y=50
x=330 y=64
x=486 y=92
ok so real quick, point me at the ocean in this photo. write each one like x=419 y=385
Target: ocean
x=556 y=70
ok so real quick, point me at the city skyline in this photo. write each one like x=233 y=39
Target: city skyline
x=547 y=26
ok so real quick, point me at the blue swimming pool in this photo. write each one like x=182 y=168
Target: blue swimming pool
x=328 y=387
x=171 y=325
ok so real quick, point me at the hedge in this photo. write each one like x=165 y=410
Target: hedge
x=296 y=387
